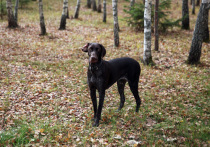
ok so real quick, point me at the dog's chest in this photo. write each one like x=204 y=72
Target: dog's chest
x=95 y=79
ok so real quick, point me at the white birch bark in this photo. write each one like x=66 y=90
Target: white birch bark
x=104 y=13
x=41 y=16
x=76 y=14
x=147 y=56
x=16 y=10
x=116 y=24
x=64 y=15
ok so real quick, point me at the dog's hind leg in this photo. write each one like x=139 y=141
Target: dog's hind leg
x=134 y=88
x=121 y=86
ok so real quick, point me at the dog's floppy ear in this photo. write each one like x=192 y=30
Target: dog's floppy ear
x=103 y=50
x=85 y=48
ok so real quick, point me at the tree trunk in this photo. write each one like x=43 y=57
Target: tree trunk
x=16 y=11
x=116 y=25
x=11 y=18
x=104 y=14
x=193 y=6
x=147 y=57
x=63 y=17
x=76 y=14
x=196 y=45
x=99 y=6
x=41 y=16
x=1 y=10
x=197 y=2
x=156 y=26
x=94 y=5
x=185 y=15
x=206 y=28
x=132 y=2
x=67 y=13
x=89 y=3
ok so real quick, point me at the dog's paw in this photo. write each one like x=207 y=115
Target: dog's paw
x=95 y=124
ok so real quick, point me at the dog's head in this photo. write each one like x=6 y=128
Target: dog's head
x=95 y=51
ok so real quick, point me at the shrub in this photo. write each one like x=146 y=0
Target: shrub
x=136 y=16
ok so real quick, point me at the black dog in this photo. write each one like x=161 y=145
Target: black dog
x=103 y=74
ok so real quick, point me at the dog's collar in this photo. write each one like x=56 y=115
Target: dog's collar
x=95 y=67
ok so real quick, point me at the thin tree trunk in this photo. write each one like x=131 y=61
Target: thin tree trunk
x=63 y=17
x=193 y=6
x=99 y=6
x=185 y=15
x=16 y=11
x=67 y=14
x=11 y=18
x=206 y=28
x=89 y=3
x=197 y=2
x=1 y=9
x=147 y=56
x=116 y=24
x=94 y=5
x=41 y=16
x=195 y=50
x=156 y=26
x=104 y=14
x=76 y=14
x=132 y=2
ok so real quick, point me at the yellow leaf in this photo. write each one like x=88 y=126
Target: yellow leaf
x=41 y=130
x=69 y=135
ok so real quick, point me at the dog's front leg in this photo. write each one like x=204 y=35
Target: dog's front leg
x=100 y=106
x=94 y=101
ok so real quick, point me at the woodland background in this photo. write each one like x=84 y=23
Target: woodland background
x=44 y=97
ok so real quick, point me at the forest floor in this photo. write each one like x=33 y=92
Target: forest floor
x=44 y=97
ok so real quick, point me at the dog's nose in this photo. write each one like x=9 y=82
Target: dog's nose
x=93 y=59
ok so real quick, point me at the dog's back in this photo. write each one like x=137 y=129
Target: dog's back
x=125 y=67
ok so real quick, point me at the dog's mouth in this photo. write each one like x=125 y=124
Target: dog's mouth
x=93 y=59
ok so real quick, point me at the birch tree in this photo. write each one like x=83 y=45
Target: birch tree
x=104 y=12
x=12 y=23
x=116 y=24
x=156 y=25
x=197 y=40
x=193 y=6
x=185 y=15
x=76 y=14
x=64 y=14
x=99 y=6
x=67 y=14
x=206 y=28
x=147 y=56
x=41 y=16
x=94 y=5
x=132 y=2
x=16 y=10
